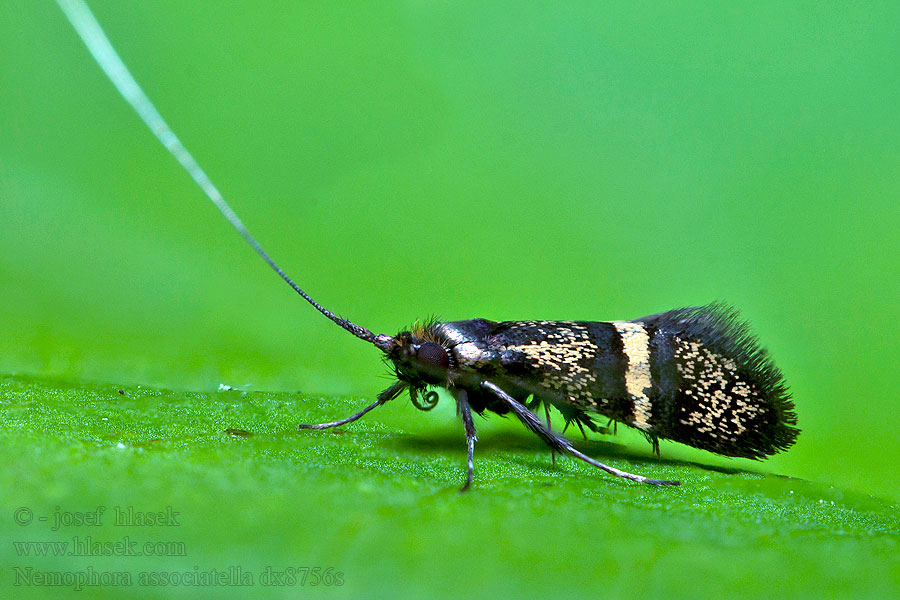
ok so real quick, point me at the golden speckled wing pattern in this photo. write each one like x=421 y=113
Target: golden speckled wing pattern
x=691 y=375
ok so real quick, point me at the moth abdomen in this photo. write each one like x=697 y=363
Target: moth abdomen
x=702 y=379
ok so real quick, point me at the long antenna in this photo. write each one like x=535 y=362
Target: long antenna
x=98 y=44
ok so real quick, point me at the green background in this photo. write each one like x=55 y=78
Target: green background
x=556 y=160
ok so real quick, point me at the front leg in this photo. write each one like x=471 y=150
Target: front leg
x=385 y=396
x=462 y=407
x=557 y=442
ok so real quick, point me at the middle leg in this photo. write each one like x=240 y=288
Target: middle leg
x=462 y=407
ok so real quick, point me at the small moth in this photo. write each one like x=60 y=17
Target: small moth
x=693 y=375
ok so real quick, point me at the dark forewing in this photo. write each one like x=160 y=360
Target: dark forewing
x=575 y=363
x=692 y=375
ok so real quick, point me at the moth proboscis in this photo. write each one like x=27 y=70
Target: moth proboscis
x=692 y=375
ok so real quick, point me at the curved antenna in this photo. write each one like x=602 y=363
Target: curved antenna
x=90 y=32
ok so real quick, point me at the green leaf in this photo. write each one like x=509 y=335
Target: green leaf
x=376 y=502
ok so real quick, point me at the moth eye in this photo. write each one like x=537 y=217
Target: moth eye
x=432 y=355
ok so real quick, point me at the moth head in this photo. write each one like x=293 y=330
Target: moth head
x=418 y=361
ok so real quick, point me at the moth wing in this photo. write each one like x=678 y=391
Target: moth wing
x=576 y=366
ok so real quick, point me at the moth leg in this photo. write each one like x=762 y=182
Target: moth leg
x=388 y=394
x=654 y=442
x=462 y=406
x=581 y=428
x=561 y=444
x=547 y=415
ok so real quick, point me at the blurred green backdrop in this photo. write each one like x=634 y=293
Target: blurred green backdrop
x=512 y=160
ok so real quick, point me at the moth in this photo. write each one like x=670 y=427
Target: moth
x=693 y=375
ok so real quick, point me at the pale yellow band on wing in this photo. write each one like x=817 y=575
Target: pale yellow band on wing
x=636 y=344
